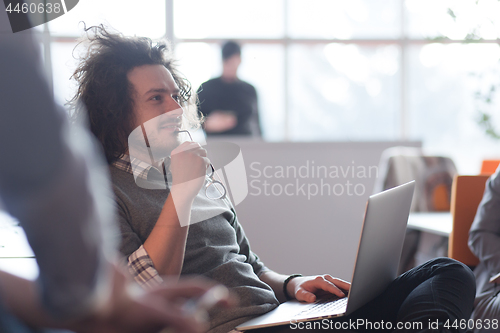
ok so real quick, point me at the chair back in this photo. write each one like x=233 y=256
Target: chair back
x=433 y=177
x=488 y=167
x=466 y=194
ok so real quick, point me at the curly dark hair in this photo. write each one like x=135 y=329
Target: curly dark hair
x=104 y=95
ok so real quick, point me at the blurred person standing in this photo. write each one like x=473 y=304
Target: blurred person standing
x=229 y=104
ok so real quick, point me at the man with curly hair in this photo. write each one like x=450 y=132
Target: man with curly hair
x=134 y=94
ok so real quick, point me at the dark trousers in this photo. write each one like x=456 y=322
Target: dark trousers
x=426 y=298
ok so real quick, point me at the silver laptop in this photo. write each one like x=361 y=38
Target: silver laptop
x=376 y=265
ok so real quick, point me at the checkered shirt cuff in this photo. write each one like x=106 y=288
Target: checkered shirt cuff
x=142 y=269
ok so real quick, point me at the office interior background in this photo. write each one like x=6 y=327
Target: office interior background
x=327 y=70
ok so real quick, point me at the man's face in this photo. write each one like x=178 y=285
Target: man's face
x=156 y=107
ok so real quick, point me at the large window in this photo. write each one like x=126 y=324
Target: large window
x=328 y=69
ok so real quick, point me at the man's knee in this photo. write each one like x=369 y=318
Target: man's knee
x=445 y=263
x=457 y=271
x=454 y=269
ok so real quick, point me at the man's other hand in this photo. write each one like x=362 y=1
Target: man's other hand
x=306 y=288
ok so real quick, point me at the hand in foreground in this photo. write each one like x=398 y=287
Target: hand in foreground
x=307 y=288
x=149 y=311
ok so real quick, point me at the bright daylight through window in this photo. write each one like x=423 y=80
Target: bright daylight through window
x=328 y=69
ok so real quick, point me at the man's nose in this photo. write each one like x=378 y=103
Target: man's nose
x=173 y=109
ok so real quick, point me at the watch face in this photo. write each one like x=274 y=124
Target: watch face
x=26 y=14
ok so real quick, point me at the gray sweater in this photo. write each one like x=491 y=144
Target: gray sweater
x=216 y=248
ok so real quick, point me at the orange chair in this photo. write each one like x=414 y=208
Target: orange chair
x=488 y=167
x=467 y=192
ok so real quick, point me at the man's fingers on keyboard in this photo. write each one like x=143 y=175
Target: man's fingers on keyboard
x=332 y=288
x=344 y=285
x=337 y=286
x=305 y=296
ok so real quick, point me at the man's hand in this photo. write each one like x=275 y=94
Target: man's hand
x=126 y=310
x=189 y=165
x=152 y=310
x=306 y=288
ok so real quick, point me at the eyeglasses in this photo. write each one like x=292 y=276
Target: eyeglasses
x=214 y=189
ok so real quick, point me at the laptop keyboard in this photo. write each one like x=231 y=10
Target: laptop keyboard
x=324 y=307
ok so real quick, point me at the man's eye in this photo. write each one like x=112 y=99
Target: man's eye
x=177 y=98
x=156 y=98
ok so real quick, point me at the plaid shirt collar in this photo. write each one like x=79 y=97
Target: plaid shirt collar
x=136 y=167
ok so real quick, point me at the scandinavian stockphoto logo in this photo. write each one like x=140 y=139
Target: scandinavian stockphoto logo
x=26 y=14
x=150 y=146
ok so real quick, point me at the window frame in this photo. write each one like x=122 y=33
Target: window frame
x=403 y=43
